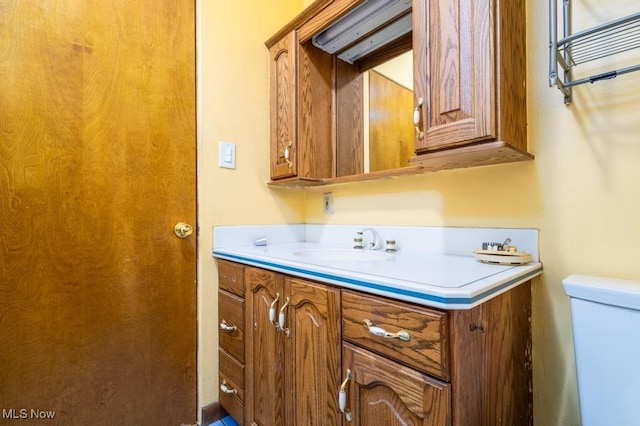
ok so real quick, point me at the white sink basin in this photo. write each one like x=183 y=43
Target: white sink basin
x=343 y=255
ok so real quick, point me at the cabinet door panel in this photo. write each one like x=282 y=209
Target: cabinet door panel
x=283 y=108
x=265 y=391
x=383 y=392
x=313 y=353
x=454 y=72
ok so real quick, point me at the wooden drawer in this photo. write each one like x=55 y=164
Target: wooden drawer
x=231 y=376
x=231 y=277
x=427 y=348
x=231 y=324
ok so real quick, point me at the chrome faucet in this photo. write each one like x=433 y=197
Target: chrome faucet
x=376 y=243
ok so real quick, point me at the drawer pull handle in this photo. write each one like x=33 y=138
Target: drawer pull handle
x=272 y=309
x=226 y=389
x=381 y=332
x=226 y=327
x=342 y=397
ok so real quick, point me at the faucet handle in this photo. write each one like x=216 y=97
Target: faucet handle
x=358 y=241
x=391 y=246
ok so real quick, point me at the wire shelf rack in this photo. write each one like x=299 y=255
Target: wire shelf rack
x=611 y=38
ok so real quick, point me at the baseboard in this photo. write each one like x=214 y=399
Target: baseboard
x=212 y=413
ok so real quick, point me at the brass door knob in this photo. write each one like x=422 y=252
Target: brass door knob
x=183 y=229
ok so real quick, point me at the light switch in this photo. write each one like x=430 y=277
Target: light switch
x=227 y=155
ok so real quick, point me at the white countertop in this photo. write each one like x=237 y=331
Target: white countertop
x=430 y=278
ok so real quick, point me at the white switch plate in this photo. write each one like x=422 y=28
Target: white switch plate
x=227 y=155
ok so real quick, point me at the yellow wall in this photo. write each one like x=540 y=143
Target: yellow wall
x=581 y=191
x=233 y=106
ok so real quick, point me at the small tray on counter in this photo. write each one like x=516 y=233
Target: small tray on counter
x=502 y=257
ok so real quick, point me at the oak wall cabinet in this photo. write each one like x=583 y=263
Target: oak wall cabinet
x=470 y=73
x=469 y=92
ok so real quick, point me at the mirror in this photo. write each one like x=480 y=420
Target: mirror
x=388 y=132
x=364 y=58
x=374 y=129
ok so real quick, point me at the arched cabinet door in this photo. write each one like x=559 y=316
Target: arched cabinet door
x=380 y=391
x=283 y=108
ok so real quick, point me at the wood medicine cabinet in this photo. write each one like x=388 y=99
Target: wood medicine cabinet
x=469 y=92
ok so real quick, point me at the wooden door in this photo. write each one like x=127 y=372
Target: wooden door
x=383 y=392
x=264 y=388
x=312 y=353
x=391 y=131
x=454 y=60
x=97 y=164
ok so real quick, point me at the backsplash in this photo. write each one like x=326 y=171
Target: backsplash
x=445 y=240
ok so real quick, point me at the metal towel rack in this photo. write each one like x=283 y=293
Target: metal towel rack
x=588 y=45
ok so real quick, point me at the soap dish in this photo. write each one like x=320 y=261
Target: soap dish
x=502 y=257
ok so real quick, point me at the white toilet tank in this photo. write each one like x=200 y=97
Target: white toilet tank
x=606 y=334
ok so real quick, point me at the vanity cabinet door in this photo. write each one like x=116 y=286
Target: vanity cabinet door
x=312 y=353
x=265 y=387
x=383 y=392
x=283 y=107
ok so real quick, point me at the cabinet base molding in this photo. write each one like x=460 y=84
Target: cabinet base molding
x=482 y=154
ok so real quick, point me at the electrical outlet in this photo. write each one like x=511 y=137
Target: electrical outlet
x=327 y=203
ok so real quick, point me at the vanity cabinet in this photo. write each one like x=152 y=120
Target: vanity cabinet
x=305 y=352
x=470 y=73
x=294 y=345
x=454 y=367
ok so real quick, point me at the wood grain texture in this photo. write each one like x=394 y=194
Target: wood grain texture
x=459 y=75
x=349 y=119
x=427 y=349
x=265 y=386
x=471 y=70
x=283 y=74
x=97 y=164
x=231 y=277
x=383 y=392
x=231 y=310
x=315 y=113
x=313 y=353
x=491 y=361
x=232 y=374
